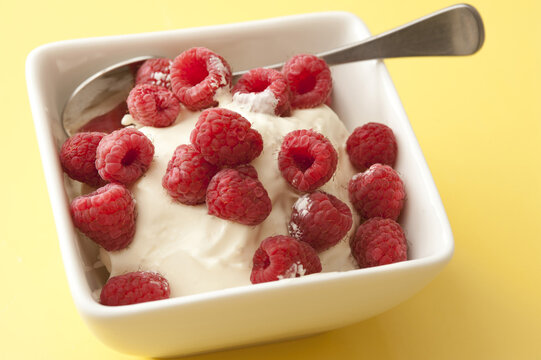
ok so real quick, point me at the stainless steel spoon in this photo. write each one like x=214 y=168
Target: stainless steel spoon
x=455 y=30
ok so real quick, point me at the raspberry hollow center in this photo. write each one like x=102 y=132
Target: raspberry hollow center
x=303 y=161
x=306 y=85
x=197 y=73
x=259 y=86
x=130 y=157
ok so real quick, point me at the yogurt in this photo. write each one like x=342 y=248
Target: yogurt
x=197 y=252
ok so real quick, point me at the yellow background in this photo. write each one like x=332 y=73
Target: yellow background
x=477 y=119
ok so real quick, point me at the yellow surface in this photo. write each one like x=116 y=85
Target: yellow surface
x=478 y=122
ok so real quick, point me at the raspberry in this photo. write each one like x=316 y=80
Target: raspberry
x=307 y=159
x=78 y=158
x=320 y=219
x=153 y=105
x=248 y=170
x=281 y=257
x=133 y=288
x=107 y=216
x=237 y=196
x=265 y=90
x=187 y=176
x=379 y=241
x=377 y=192
x=224 y=137
x=370 y=144
x=328 y=102
x=309 y=79
x=196 y=74
x=155 y=72
x=124 y=155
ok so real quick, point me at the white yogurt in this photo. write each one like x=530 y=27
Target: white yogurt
x=198 y=252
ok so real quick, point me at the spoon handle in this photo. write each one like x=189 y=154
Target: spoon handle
x=455 y=30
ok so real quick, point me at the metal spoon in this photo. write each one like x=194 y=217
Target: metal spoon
x=455 y=30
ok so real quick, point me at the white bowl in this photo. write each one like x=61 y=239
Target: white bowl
x=239 y=316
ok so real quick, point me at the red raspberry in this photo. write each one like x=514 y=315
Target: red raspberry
x=270 y=89
x=370 y=144
x=153 y=105
x=237 y=196
x=133 y=288
x=379 y=241
x=124 y=155
x=155 y=72
x=78 y=157
x=328 y=102
x=196 y=74
x=248 y=170
x=224 y=137
x=309 y=79
x=377 y=192
x=281 y=257
x=187 y=176
x=107 y=216
x=307 y=159
x=320 y=219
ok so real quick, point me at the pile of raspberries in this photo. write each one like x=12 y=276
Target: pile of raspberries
x=215 y=169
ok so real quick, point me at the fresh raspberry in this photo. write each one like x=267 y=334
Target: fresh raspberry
x=234 y=195
x=78 y=158
x=379 y=241
x=309 y=79
x=124 y=155
x=133 y=288
x=107 y=216
x=153 y=105
x=328 y=102
x=281 y=257
x=265 y=90
x=320 y=219
x=247 y=170
x=370 y=144
x=187 y=176
x=196 y=74
x=224 y=137
x=307 y=159
x=155 y=72
x=377 y=192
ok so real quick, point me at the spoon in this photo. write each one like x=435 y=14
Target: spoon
x=455 y=30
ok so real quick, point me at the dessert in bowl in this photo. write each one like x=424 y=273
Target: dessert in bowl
x=227 y=316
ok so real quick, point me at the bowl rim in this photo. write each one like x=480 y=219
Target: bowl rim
x=79 y=289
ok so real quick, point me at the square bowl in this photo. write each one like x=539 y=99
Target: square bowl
x=363 y=92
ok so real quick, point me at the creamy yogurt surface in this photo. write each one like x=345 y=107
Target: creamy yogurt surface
x=197 y=252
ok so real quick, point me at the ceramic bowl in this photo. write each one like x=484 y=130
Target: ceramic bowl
x=245 y=315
